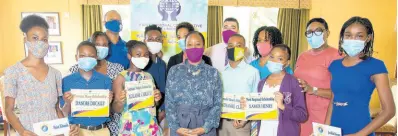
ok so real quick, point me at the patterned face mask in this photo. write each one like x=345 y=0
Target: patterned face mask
x=38 y=49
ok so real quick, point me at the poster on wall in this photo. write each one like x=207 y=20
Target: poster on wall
x=167 y=14
x=54 y=55
x=52 y=19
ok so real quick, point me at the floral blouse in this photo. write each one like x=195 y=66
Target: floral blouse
x=196 y=86
x=36 y=100
x=141 y=122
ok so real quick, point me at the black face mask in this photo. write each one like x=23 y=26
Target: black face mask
x=235 y=54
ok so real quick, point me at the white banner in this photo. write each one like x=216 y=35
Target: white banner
x=90 y=103
x=140 y=94
x=52 y=127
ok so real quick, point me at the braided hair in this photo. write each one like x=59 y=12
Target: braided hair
x=274 y=35
x=368 y=50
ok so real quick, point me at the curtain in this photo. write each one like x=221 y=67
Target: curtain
x=92 y=20
x=292 y=23
x=214 y=25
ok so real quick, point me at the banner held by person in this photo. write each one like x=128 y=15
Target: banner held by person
x=261 y=106
x=140 y=94
x=167 y=14
x=90 y=103
x=231 y=107
x=325 y=130
x=52 y=127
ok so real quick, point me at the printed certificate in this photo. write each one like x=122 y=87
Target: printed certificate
x=261 y=106
x=325 y=130
x=231 y=108
x=52 y=127
x=140 y=94
x=90 y=103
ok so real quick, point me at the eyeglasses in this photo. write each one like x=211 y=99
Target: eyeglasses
x=317 y=32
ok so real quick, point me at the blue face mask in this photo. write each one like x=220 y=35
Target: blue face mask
x=353 y=47
x=114 y=26
x=86 y=63
x=274 y=67
x=102 y=52
x=181 y=43
x=316 y=41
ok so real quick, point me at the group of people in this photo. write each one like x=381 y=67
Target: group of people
x=328 y=86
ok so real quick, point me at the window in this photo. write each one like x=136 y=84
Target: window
x=250 y=19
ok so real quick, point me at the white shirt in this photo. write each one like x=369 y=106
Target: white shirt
x=242 y=79
x=269 y=127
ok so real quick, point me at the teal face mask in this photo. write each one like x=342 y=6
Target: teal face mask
x=86 y=63
x=274 y=67
x=353 y=47
x=316 y=41
x=181 y=44
x=102 y=52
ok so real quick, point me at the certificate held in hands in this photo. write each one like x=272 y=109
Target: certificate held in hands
x=139 y=94
x=325 y=130
x=52 y=127
x=90 y=103
x=261 y=106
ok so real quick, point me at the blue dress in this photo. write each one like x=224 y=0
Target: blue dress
x=352 y=88
x=264 y=72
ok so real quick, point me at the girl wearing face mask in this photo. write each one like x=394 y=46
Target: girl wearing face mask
x=32 y=83
x=264 y=39
x=313 y=74
x=182 y=30
x=353 y=80
x=288 y=96
x=141 y=122
x=104 y=67
x=193 y=93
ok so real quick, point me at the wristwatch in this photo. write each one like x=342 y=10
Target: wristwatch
x=314 y=90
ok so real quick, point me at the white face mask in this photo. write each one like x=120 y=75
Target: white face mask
x=140 y=62
x=154 y=47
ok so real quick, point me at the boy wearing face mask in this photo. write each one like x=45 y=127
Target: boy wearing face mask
x=156 y=66
x=86 y=79
x=238 y=77
x=218 y=52
x=104 y=67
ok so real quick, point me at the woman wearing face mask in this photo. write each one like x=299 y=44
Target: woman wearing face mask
x=182 y=30
x=32 y=83
x=140 y=122
x=104 y=67
x=264 y=39
x=313 y=74
x=193 y=93
x=353 y=80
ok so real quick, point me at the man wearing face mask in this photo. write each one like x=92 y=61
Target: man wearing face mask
x=238 y=77
x=217 y=52
x=156 y=66
x=117 y=46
